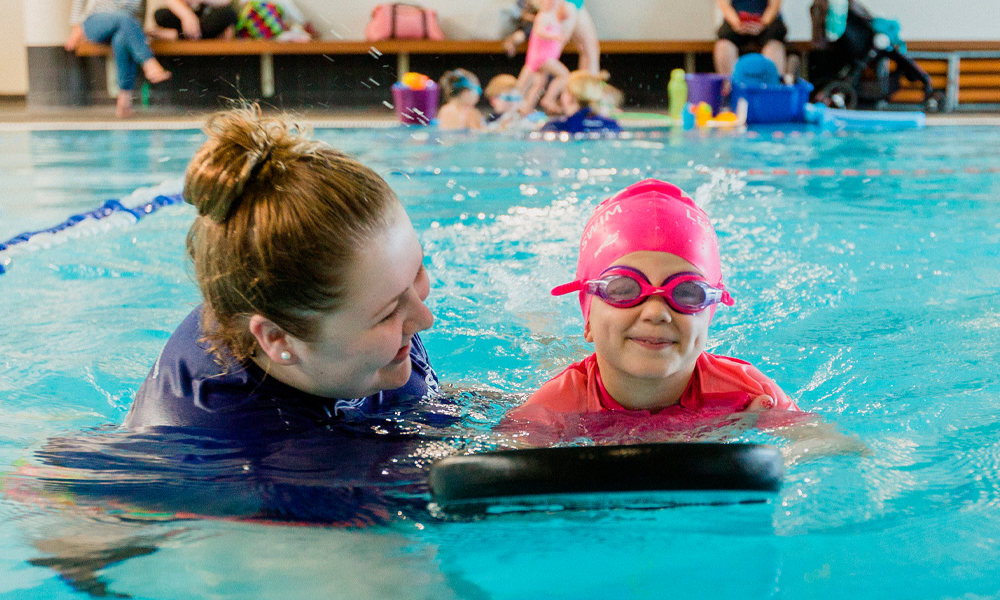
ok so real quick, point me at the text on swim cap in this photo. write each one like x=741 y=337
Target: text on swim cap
x=703 y=223
x=598 y=222
x=608 y=241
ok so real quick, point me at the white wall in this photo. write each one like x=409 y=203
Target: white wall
x=45 y=20
x=919 y=19
x=13 y=54
x=479 y=19
x=673 y=19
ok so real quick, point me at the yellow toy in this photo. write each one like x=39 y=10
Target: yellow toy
x=414 y=81
x=702 y=114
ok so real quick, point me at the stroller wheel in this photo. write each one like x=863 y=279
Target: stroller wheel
x=934 y=102
x=838 y=94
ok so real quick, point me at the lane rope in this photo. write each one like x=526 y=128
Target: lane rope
x=109 y=208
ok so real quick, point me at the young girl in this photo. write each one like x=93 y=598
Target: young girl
x=584 y=104
x=542 y=59
x=649 y=282
x=117 y=22
x=461 y=92
x=313 y=285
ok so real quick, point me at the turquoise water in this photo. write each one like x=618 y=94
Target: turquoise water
x=871 y=298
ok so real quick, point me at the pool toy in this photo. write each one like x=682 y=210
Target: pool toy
x=414 y=81
x=702 y=114
x=642 y=475
x=755 y=69
x=706 y=87
x=863 y=120
x=677 y=90
x=726 y=116
x=415 y=99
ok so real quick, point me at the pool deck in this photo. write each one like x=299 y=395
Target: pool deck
x=15 y=115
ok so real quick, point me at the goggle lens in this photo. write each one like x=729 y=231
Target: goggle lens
x=621 y=289
x=688 y=293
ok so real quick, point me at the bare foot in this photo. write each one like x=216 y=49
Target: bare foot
x=123 y=108
x=154 y=71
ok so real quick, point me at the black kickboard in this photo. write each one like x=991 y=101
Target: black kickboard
x=728 y=473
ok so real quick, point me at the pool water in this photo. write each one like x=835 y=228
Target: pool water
x=865 y=269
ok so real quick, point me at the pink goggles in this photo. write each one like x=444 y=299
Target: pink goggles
x=624 y=287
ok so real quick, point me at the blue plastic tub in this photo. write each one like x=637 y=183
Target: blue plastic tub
x=773 y=103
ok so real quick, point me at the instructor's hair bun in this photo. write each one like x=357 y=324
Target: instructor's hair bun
x=243 y=146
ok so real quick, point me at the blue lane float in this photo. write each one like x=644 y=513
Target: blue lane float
x=834 y=119
x=110 y=207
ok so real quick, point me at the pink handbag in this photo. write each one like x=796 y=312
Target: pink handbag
x=403 y=22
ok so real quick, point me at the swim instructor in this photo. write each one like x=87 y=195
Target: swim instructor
x=313 y=285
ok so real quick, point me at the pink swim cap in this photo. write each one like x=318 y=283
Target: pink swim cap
x=649 y=215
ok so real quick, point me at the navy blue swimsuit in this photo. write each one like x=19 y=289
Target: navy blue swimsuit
x=583 y=121
x=188 y=388
x=754 y=7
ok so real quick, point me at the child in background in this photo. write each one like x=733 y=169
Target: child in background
x=582 y=102
x=461 y=92
x=505 y=100
x=649 y=280
x=117 y=22
x=611 y=102
x=542 y=59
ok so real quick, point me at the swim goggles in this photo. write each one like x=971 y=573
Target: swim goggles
x=463 y=83
x=512 y=97
x=624 y=287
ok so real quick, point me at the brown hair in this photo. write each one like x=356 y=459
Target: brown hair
x=450 y=78
x=587 y=88
x=280 y=220
x=500 y=84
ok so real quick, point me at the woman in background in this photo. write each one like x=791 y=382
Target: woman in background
x=750 y=26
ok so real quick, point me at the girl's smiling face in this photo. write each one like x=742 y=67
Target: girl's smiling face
x=647 y=352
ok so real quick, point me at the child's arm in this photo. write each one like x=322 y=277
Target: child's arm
x=771 y=12
x=809 y=435
x=189 y=21
x=730 y=15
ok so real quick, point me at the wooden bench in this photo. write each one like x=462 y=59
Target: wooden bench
x=402 y=49
x=969 y=71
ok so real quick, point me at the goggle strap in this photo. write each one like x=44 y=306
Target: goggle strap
x=566 y=288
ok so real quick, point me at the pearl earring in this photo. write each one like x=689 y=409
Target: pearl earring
x=286 y=355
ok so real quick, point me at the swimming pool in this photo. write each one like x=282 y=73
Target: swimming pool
x=866 y=276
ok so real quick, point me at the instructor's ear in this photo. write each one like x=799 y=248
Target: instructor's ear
x=587 y=333
x=273 y=340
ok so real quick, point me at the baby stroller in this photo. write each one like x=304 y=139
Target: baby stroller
x=855 y=69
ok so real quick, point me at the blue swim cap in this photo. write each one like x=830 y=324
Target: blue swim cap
x=755 y=69
x=463 y=83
